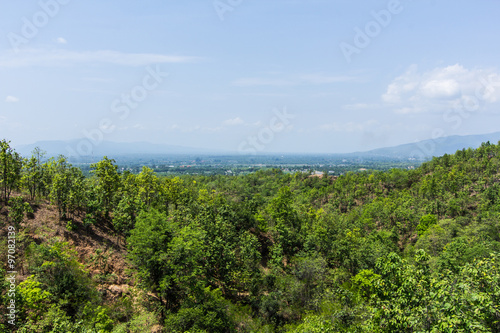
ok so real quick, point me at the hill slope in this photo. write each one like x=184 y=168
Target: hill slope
x=428 y=148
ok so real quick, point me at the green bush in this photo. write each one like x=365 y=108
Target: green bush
x=207 y=314
x=425 y=223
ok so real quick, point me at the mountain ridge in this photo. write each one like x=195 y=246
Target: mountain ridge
x=420 y=150
x=426 y=149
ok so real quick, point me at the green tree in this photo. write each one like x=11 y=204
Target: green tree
x=315 y=324
x=77 y=199
x=425 y=223
x=206 y=313
x=32 y=172
x=60 y=185
x=35 y=300
x=17 y=210
x=148 y=186
x=148 y=247
x=59 y=274
x=10 y=170
x=173 y=191
x=125 y=214
x=285 y=221
x=108 y=181
x=168 y=255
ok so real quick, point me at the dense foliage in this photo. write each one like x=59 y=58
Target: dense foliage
x=396 y=251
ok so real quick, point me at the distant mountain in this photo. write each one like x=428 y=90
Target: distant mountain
x=428 y=148
x=84 y=148
x=419 y=150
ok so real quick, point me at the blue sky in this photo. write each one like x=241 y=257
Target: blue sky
x=347 y=75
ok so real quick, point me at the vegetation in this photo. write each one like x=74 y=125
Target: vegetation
x=269 y=251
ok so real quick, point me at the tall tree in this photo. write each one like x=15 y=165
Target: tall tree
x=108 y=181
x=168 y=256
x=10 y=169
x=148 y=186
x=32 y=172
x=60 y=184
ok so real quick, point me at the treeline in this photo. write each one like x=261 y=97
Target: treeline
x=395 y=251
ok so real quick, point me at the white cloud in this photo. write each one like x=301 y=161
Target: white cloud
x=11 y=99
x=441 y=88
x=61 y=40
x=43 y=57
x=234 y=122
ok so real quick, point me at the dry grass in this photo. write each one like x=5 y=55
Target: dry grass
x=100 y=251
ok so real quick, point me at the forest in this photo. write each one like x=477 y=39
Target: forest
x=370 y=251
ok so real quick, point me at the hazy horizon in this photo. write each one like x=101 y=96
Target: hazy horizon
x=421 y=149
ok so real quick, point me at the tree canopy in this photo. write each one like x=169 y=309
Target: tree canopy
x=395 y=251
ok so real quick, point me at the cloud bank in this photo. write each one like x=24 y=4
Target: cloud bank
x=441 y=88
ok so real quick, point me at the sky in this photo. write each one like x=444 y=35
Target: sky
x=249 y=76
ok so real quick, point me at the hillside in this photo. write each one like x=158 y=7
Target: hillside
x=427 y=149
x=396 y=251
